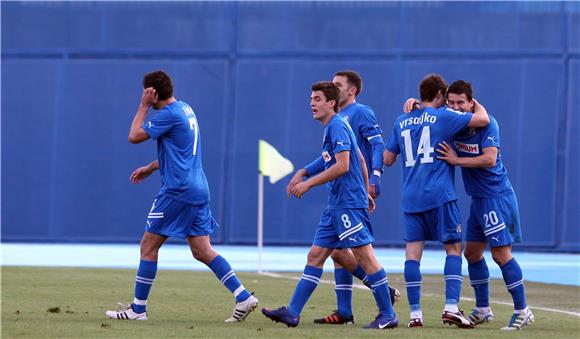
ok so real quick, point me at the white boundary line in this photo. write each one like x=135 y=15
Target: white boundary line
x=280 y=276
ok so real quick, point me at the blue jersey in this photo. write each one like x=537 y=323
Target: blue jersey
x=348 y=190
x=363 y=122
x=489 y=182
x=179 y=153
x=427 y=181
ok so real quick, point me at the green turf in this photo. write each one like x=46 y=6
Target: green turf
x=70 y=302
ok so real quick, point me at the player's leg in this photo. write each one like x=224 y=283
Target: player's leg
x=325 y=241
x=502 y=228
x=448 y=219
x=380 y=286
x=354 y=231
x=479 y=279
x=201 y=226
x=476 y=242
x=416 y=232
x=309 y=280
x=150 y=244
x=412 y=272
x=343 y=288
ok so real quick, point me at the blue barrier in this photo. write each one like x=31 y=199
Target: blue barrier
x=71 y=74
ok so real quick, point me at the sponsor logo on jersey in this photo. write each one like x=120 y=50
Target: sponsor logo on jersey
x=467 y=148
x=491 y=138
x=326 y=156
x=340 y=143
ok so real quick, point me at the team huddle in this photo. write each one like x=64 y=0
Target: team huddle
x=447 y=127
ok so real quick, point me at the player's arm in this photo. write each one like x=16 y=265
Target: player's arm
x=487 y=159
x=479 y=117
x=137 y=134
x=310 y=170
x=389 y=158
x=364 y=169
x=411 y=104
x=341 y=166
x=143 y=172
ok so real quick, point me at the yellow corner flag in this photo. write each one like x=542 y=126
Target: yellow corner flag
x=272 y=164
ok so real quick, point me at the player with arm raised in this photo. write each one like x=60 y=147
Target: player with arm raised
x=494 y=216
x=182 y=206
x=345 y=222
x=429 y=201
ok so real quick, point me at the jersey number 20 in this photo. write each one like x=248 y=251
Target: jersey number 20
x=425 y=150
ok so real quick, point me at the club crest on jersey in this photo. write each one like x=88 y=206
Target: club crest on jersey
x=467 y=148
x=326 y=156
x=458 y=228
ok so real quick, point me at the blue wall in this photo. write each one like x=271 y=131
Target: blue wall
x=71 y=75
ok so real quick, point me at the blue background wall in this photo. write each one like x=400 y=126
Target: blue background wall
x=71 y=76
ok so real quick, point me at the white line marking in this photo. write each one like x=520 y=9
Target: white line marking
x=362 y=287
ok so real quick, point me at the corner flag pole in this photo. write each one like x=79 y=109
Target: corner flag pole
x=260 y=220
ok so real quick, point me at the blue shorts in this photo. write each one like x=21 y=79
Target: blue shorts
x=344 y=228
x=173 y=218
x=495 y=220
x=442 y=223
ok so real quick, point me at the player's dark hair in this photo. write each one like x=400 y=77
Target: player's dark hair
x=161 y=82
x=353 y=78
x=330 y=90
x=430 y=86
x=461 y=87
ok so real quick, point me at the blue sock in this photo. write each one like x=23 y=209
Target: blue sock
x=413 y=283
x=514 y=281
x=307 y=284
x=343 y=289
x=453 y=279
x=143 y=283
x=360 y=274
x=380 y=288
x=223 y=271
x=479 y=277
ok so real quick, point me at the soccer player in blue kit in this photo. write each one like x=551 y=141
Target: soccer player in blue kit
x=429 y=200
x=363 y=122
x=182 y=207
x=494 y=215
x=345 y=222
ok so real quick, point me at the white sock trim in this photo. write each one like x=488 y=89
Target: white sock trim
x=140 y=302
x=239 y=290
x=451 y=308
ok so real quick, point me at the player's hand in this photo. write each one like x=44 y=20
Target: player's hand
x=296 y=179
x=140 y=174
x=374 y=186
x=372 y=205
x=447 y=153
x=411 y=104
x=149 y=97
x=299 y=189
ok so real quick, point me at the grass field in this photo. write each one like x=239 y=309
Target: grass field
x=70 y=303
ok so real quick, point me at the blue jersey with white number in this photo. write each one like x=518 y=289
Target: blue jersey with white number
x=363 y=122
x=348 y=190
x=489 y=182
x=179 y=152
x=427 y=181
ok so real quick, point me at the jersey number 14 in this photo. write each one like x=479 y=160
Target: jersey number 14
x=424 y=150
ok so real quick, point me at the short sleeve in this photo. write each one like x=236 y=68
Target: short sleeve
x=455 y=120
x=339 y=137
x=392 y=144
x=369 y=128
x=490 y=135
x=158 y=123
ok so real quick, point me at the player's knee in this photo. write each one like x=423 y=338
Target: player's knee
x=340 y=256
x=501 y=256
x=471 y=255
